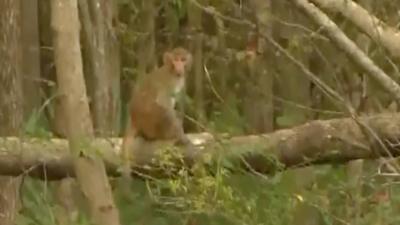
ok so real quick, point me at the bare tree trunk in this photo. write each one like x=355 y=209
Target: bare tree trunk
x=30 y=56
x=67 y=213
x=55 y=114
x=195 y=21
x=89 y=169
x=11 y=99
x=103 y=69
x=259 y=102
x=50 y=98
x=113 y=66
x=146 y=51
x=222 y=67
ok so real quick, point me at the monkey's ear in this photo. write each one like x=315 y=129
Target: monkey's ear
x=167 y=58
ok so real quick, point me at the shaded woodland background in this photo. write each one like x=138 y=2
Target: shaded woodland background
x=240 y=84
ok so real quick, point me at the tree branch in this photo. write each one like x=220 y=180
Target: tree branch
x=349 y=47
x=377 y=29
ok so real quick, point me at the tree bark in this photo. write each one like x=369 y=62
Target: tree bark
x=196 y=82
x=54 y=112
x=316 y=142
x=11 y=99
x=89 y=169
x=103 y=73
x=147 y=45
x=30 y=56
x=259 y=95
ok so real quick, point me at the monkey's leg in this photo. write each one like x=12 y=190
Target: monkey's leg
x=176 y=132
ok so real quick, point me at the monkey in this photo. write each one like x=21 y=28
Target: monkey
x=152 y=105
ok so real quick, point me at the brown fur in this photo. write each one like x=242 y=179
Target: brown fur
x=152 y=104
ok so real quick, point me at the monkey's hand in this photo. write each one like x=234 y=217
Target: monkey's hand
x=191 y=152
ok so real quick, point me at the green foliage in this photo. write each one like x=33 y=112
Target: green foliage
x=36 y=125
x=227 y=118
x=180 y=7
x=37 y=209
x=39 y=205
x=223 y=198
x=289 y=120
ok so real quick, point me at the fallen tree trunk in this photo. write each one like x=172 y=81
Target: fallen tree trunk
x=328 y=141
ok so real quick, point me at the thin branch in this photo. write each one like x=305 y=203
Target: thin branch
x=349 y=47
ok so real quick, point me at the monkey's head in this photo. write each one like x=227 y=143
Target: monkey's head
x=178 y=61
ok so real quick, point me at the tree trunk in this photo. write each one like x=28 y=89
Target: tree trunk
x=196 y=47
x=113 y=67
x=55 y=115
x=53 y=110
x=102 y=67
x=259 y=104
x=67 y=213
x=146 y=52
x=30 y=56
x=11 y=99
x=89 y=169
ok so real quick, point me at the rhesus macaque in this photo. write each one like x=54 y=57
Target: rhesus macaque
x=152 y=112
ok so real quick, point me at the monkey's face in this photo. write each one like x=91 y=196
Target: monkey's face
x=179 y=64
x=179 y=61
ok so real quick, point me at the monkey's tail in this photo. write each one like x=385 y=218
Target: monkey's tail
x=126 y=150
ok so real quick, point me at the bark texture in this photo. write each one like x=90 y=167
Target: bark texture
x=11 y=104
x=30 y=56
x=102 y=67
x=316 y=142
x=89 y=169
